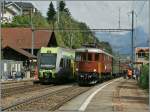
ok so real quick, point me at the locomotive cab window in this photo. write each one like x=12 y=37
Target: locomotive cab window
x=78 y=57
x=108 y=58
x=96 y=57
x=104 y=57
x=84 y=57
x=89 y=57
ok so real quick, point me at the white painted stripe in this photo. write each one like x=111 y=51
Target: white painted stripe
x=87 y=101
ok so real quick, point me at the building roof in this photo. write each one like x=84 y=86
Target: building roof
x=22 y=38
x=21 y=51
x=21 y=4
x=145 y=49
x=7 y=4
x=142 y=47
x=24 y=4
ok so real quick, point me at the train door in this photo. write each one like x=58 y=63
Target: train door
x=66 y=70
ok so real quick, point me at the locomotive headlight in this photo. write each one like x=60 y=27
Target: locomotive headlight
x=90 y=76
x=81 y=76
x=94 y=70
x=77 y=69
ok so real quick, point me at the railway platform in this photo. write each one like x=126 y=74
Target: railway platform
x=16 y=80
x=119 y=95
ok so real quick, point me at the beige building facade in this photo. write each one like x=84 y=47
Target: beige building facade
x=142 y=55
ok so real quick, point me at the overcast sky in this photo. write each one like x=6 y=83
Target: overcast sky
x=105 y=14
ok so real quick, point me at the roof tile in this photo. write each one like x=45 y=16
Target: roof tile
x=22 y=38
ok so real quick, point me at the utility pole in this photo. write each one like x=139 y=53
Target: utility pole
x=70 y=34
x=3 y=3
x=132 y=38
x=0 y=38
x=119 y=19
x=119 y=64
x=119 y=61
x=57 y=5
x=32 y=28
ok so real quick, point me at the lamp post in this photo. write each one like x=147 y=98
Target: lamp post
x=32 y=29
x=0 y=38
x=132 y=40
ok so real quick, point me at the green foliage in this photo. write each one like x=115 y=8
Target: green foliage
x=62 y=7
x=25 y=21
x=51 y=13
x=144 y=77
x=106 y=46
x=72 y=39
x=147 y=56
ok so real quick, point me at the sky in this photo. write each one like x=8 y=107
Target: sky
x=105 y=14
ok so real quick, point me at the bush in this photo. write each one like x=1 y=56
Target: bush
x=144 y=77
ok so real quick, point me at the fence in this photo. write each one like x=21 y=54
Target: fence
x=11 y=69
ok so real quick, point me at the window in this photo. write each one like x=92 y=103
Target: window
x=89 y=57
x=68 y=65
x=83 y=57
x=48 y=59
x=78 y=57
x=65 y=63
x=141 y=55
x=62 y=63
x=96 y=57
x=108 y=58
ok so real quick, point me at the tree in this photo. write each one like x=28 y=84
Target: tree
x=147 y=56
x=51 y=14
x=106 y=46
x=62 y=7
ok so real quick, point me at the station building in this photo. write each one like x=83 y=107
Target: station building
x=142 y=55
x=17 y=42
x=17 y=45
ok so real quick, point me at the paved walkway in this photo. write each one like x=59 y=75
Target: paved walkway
x=130 y=98
x=122 y=95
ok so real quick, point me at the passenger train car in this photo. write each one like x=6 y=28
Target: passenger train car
x=93 y=65
x=55 y=64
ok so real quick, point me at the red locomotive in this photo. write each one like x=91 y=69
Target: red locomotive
x=93 y=65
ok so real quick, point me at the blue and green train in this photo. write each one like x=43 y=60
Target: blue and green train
x=56 y=64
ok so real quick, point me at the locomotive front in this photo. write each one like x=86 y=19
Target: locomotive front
x=87 y=66
x=47 y=59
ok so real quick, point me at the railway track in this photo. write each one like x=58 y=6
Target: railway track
x=48 y=101
x=13 y=84
x=21 y=89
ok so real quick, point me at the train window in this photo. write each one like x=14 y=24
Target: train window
x=106 y=57
x=89 y=57
x=62 y=63
x=68 y=65
x=84 y=57
x=96 y=57
x=78 y=57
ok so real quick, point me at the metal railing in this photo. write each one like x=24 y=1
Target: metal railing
x=11 y=69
